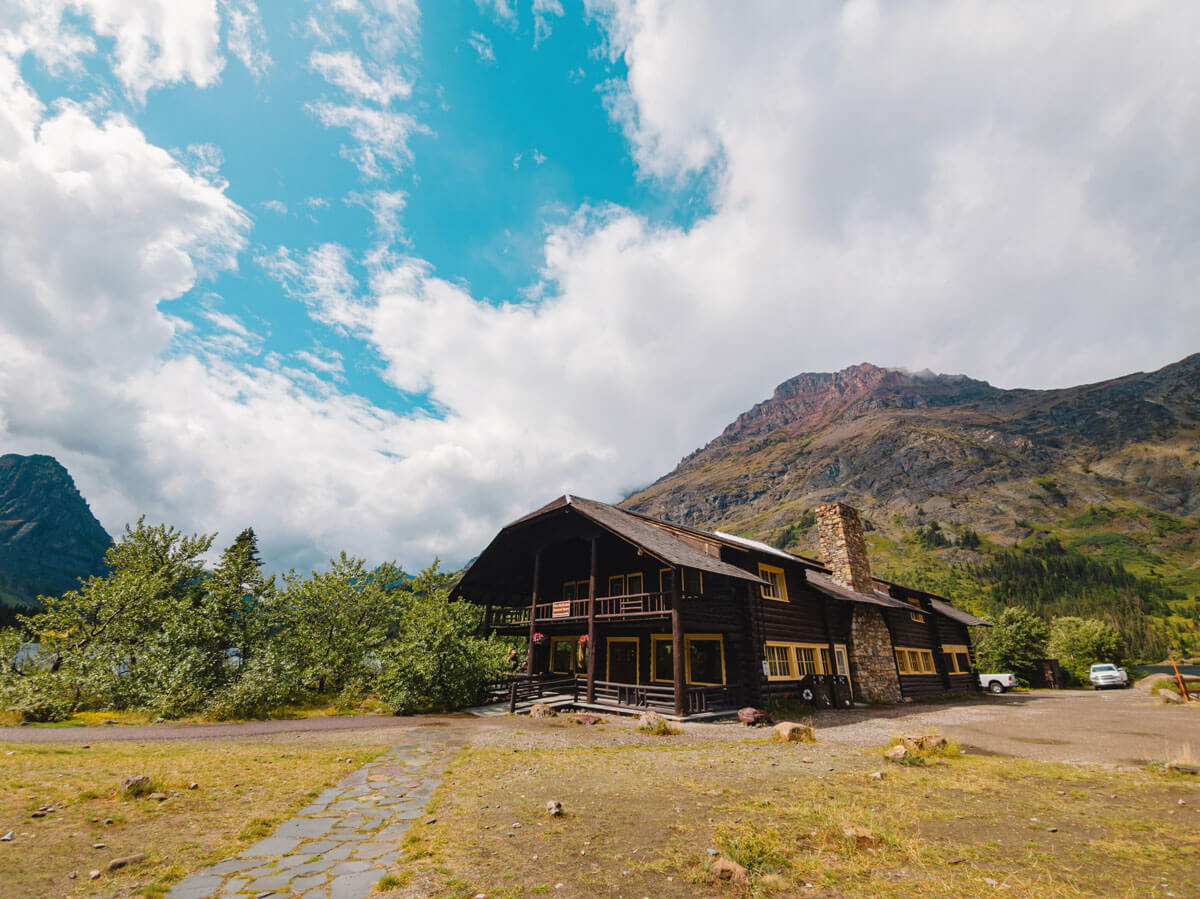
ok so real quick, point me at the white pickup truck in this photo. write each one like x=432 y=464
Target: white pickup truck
x=997 y=683
x=1108 y=675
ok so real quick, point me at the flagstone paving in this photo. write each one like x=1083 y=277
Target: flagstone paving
x=340 y=845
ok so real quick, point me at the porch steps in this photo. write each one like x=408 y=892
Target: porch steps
x=554 y=700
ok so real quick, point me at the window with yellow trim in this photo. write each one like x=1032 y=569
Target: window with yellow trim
x=573 y=590
x=957 y=658
x=915 y=661
x=635 y=583
x=705 y=659
x=791 y=661
x=564 y=655
x=662 y=662
x=776 y=583
x=666 y=580
x=693 y=581
x=616 y=585
x=779 y=662
x=917 y=617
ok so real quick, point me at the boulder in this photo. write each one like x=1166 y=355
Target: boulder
x=651 y=721
x=158 y=797
x=897 y=753
x=137 y=785
x=791 y=732
x=126 y=860
x=725 y=869
x=588 y=719
x=554 y=808
x=541 y=710
x=1169 y=696
x=752 y=717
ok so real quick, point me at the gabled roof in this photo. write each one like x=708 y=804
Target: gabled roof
x=823 y=583
x=677 y=544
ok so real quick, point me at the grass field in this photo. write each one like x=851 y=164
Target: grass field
x=641 y=821
x=243 y=790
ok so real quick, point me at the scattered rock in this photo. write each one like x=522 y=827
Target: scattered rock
x=651 y=721
x=72 y=875
x=37 y=814
x=713 y=853
x=159 y=720
x=193 y=786
x=93 y=874
x=588 y=719
x=1052 y=829
x=97 y=845
x=431 y=821
x=1170 y=696
x=897 y=753
x=126 y=860
x=554 y=808
x=541 y=710
x=725 y=869
x=108 y=820
x=860 y=836
x=137 y=785
x=752 y=717
x=791 y=732
x=876 y=775
x=109 y=722
x=7 y=838
x=158 y=797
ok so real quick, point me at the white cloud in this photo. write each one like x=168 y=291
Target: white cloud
x=386 y=26
x=1005 y=190
x=482 y=46
x=276 y=206
x=538 y=156
x=245 y=36
x=321 y=280
x=501 y=10
x=346 y=71
x=380 y=135
x=543 y=10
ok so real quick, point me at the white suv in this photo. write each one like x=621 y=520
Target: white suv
x=1107 y=674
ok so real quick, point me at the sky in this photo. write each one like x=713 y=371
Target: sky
x=382 y=275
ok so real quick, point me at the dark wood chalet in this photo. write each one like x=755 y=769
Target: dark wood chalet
x=629 y=612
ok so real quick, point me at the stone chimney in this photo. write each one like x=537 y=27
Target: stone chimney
x=840 y=531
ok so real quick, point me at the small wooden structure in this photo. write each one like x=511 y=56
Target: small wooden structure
x=628 y=612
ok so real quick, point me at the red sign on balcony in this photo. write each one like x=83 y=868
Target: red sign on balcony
x=561 y=609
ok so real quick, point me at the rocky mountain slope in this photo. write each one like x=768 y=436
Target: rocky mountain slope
x=1109 y=469
x=48 y=536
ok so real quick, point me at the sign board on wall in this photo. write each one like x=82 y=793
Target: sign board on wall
x=561 y=609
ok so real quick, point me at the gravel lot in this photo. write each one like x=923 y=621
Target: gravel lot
x=1125 y=727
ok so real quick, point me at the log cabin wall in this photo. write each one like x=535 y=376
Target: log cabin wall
x=910 y=634
x=953 y=633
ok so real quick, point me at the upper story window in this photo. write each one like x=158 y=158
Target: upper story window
x=776 y=584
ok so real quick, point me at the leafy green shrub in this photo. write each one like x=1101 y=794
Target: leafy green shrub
x=760 y=850
x=437 y=661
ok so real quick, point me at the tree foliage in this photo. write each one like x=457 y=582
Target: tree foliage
x=1079 y=643
x=162 y=633
x=438 y=662
x=1016 y=639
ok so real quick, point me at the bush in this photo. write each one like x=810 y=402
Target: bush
x=437 y=663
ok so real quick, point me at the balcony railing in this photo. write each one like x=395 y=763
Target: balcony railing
x=608 y=608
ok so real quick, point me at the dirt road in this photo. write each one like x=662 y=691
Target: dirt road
x=1124 y=727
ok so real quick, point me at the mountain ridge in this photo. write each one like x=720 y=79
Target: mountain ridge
x=49 y=537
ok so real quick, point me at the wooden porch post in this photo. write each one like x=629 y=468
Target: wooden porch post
x=591 y=648
x=677 y=647
x=537 y=572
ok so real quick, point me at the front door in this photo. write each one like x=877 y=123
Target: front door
x=623 y=661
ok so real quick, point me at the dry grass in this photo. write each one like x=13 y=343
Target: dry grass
x=639 y=821
x=367 y=705
x=244 y=790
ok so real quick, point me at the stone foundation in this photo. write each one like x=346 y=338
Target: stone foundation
x=872 y=659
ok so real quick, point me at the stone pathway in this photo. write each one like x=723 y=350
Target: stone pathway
x=339 y=846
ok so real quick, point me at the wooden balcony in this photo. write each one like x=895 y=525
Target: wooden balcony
x=608 y=608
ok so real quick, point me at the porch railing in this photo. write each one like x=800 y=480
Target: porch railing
x=660 y=697
x=608 y=608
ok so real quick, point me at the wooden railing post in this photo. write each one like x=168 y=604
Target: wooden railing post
x=677 y=647
x=591 y=633
x=512 y=698
x=537 y=571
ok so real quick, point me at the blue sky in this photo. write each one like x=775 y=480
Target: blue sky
x=381 y=275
